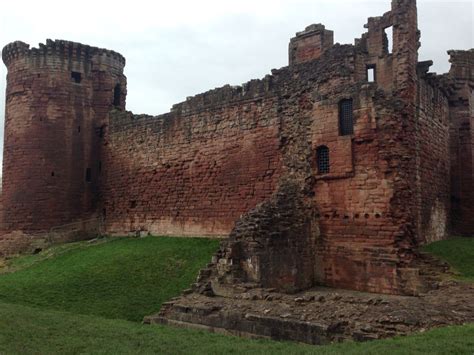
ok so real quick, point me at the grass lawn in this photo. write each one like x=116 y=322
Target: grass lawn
x=122 y=278
x=458 y=252
x=27 y=330
x=90 y=298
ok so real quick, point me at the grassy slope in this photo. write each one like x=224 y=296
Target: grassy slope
x=129 y=278
x=458 y=252
x=28 y=330
x=124 y=278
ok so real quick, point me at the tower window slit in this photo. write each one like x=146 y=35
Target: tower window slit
x=88 y=175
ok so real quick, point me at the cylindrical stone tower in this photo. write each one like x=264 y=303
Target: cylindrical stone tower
x=57 y=102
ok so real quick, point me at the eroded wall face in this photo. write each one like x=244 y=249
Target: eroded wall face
x=190 y=173
x=461 y=111
x=45 y=155
x=433 y=166
x=56 y=102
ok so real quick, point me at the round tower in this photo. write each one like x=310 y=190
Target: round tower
x=57 y=101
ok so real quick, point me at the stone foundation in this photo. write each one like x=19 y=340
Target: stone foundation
x=320 y=315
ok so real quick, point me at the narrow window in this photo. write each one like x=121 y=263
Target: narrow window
x=52 y=173
x=78 y=129
x=322 y=156
x=346 y=117
x=371 y=73
x=88 y=175
x=388 y=39
x=101 y=131
x=100 y=166
x=117 y=95
x=76 y=77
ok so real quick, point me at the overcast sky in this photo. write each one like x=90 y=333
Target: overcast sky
x=179 y=48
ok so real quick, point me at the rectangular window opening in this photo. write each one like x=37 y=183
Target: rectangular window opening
x=371 y=73
x=388 y=39
x=76 y=77
x=322 y=156
x=346 y=117
x=88 y=175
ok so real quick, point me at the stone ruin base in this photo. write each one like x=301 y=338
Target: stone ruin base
x=320 y=315
x=260 y=283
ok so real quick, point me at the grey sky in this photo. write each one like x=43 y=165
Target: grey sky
x=180 y=48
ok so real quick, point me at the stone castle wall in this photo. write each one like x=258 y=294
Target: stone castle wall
x=231 y=160
x=57 y=100
x=195 y=170
x=434 y=162
x=461 y=113
x=218 y=155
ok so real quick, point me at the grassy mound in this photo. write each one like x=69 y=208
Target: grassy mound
x=123 y=278
x=458 y=252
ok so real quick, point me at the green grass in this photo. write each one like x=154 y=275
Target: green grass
x=26 y=330
x=123 y=278
x=90 y=298
x=458 y=252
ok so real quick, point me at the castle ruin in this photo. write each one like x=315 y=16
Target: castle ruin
x=330 y=171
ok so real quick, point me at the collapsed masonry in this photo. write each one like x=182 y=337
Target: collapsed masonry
x=336 y=167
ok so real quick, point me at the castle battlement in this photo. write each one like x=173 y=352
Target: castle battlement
x=60 y=48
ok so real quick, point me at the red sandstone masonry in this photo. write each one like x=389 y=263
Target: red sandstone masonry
x=52 y=127
x=461 y=112
x=220 y=154
x=193 y=174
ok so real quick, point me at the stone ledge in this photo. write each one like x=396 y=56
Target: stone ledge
x=320 y=315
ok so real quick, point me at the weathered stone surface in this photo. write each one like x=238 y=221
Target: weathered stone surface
x=399 y=177
x=273 y=245
x=461 y=114
x=321 y=315
x=57 y=100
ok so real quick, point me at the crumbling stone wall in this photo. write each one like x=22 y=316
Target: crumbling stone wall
x=57 y=100
x=309 y=44
x=434 y=159
x=272 y=246
x=461 y=114
x=195 y=170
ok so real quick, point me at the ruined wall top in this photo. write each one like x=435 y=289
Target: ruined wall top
x=310 y=44
x=462 y=64
x=63 y=49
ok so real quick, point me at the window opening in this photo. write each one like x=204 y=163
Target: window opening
x=117 y=95
x=322 y=155
x=88 y=175
x=371 y=73
x=346 y=117
x=76 y=77
x=388 y=39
